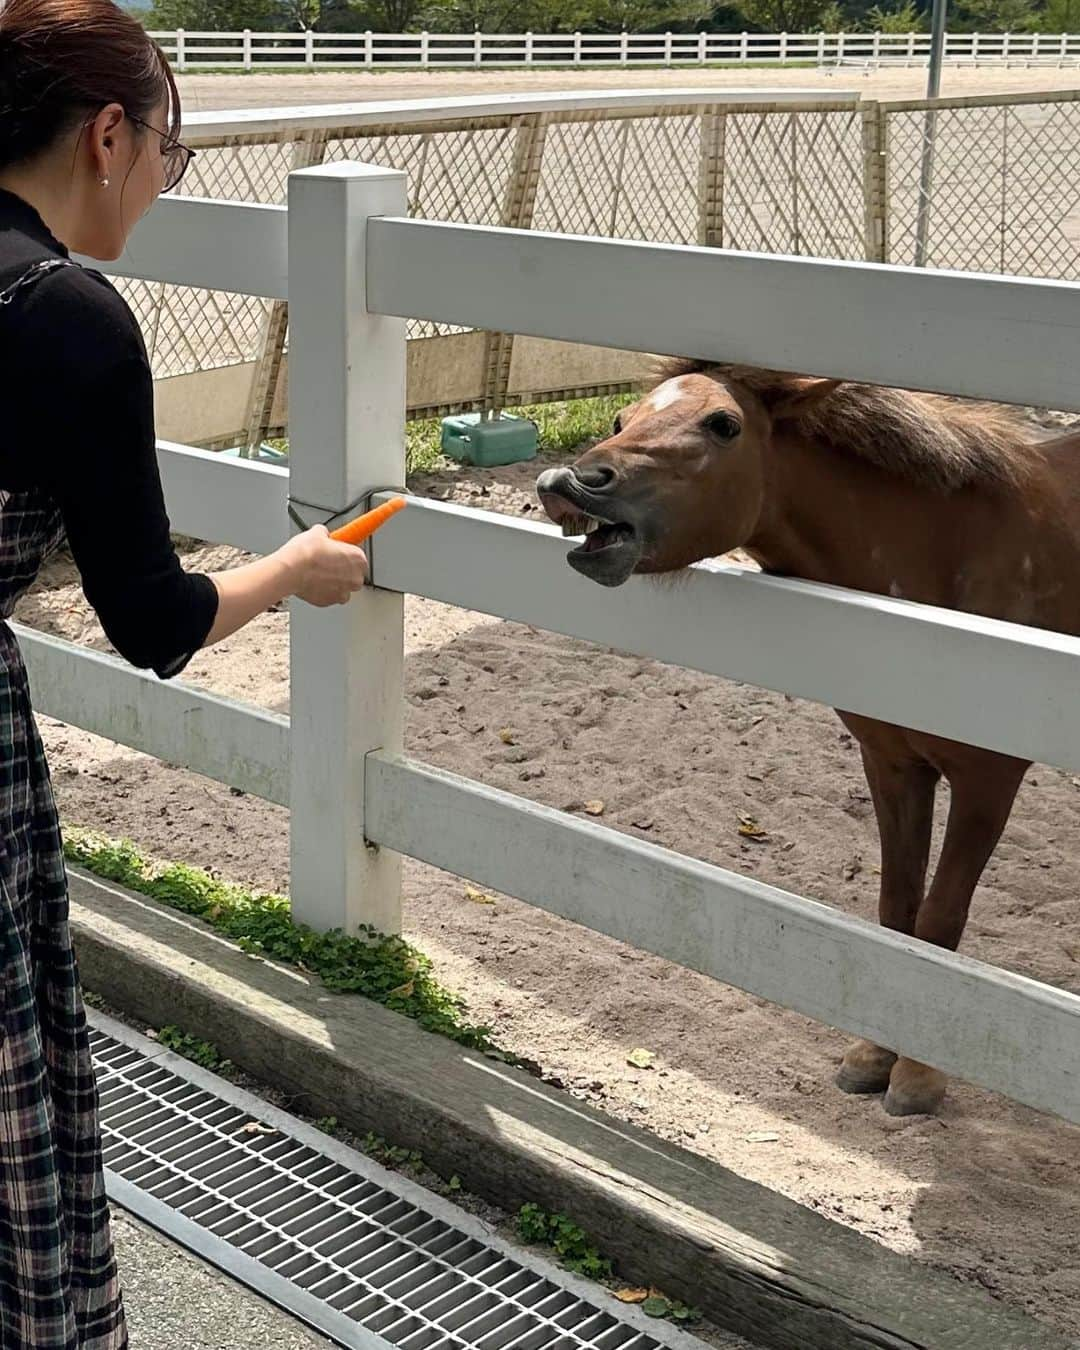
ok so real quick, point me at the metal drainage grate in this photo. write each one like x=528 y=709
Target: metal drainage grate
x=366 y=1257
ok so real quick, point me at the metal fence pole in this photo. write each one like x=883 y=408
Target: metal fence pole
x=926 y=172
x=347 y=378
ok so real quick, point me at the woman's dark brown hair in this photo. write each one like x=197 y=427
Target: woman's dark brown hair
x=62 y=61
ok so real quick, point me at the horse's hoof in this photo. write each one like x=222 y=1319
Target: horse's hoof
x=860 y=1087
x=914 y=1090
x=866 y=1069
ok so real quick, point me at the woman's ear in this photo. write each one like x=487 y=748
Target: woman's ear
x=100 y=133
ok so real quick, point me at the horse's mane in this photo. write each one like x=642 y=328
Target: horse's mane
x=928 y=439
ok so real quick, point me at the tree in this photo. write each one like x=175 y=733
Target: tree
x=901 y=17
x=786 y=16
x=220 y=16
x=996 y=16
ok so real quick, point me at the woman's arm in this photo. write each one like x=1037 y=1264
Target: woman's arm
x=312 y=566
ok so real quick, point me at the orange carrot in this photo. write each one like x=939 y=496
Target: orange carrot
x=364 y=526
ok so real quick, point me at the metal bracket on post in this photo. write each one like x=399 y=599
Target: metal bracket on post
x=335 y=520
x=347 y=427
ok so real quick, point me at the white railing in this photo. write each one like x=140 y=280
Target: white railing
x=356 y=267
x=255 y=50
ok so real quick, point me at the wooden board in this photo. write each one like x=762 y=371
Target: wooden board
x=1007 y=338
x=989 y=1025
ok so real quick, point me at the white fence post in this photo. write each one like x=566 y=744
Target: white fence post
x=911 y=46
x=478 y=48
x=667 y=49
x=974 y=46
x=247 y=48
x=703 y=48
x=369 y=48
x=821 y=48
x=528 y=49
x=624 y=48
x=181 y=51
x=347 y=411
x=877 y=46
x=577 y=49
x=744 y=47
x=424 y=44
x=1005 y=46
x=840 y=45
x=783 y=48
x=1064 y=46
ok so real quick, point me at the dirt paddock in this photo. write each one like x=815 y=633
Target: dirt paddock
x=204 y=93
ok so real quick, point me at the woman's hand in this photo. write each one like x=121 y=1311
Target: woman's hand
x=322 y=571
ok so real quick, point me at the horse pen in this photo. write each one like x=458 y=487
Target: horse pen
x=357 y=262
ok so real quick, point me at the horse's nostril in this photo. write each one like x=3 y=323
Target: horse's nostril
x=597 y=477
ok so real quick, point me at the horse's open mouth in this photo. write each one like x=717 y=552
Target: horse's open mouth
x=600 y=535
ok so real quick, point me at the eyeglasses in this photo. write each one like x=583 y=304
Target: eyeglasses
x=175 y=156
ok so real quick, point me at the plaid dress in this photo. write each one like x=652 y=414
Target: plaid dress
x=58 y=1279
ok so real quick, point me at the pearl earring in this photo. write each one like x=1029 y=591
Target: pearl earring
x=104 y=182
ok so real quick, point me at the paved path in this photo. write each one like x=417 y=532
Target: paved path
x=176 y=1302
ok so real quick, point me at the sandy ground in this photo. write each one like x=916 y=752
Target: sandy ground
x=207 y=92
x=988 y=1191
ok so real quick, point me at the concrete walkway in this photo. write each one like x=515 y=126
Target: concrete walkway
x=174 y=1300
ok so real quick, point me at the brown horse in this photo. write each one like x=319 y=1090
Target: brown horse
x=914 y=495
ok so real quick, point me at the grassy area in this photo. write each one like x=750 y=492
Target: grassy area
x=387 y=970
x=563 y=427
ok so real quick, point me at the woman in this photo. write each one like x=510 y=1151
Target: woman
x=89 y=118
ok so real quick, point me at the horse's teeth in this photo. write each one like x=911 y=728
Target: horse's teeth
x=570 y=527
x=591 y=524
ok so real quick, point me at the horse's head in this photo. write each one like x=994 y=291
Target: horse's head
x=682 y=478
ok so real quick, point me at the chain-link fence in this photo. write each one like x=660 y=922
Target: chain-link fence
x=1005 y=190
x=836 y=179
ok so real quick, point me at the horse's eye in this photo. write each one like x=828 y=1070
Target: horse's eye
x=723 y=425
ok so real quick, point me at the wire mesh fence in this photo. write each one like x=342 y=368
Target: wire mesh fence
x=837 y=179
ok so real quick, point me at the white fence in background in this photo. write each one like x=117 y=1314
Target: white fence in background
x=252 y=50
x=354 y=267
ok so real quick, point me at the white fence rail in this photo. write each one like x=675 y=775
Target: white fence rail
x=255 y=50
x=356 y=264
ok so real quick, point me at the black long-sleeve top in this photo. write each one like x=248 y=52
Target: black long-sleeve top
x=77 y=420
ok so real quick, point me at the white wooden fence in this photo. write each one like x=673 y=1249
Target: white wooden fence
x=354 y=266
x=255 y=50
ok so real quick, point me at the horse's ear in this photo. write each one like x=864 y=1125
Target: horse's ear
x=791 y=402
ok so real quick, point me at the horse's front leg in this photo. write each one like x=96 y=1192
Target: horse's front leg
x=902 y=787
x=984 y=787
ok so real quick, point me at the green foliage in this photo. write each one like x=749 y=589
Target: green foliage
x=1060 y=16
x=199 y=1052
x=569 y=1243
x=221 y=16
x=563 y=427
x=390 y=1155
x=785 y=16
x=387 y=970
x=902 y=16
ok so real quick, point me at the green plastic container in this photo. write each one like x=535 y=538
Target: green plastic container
x=472 y=438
